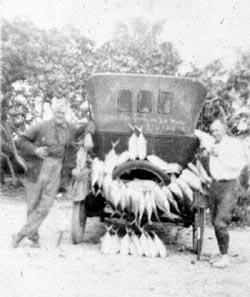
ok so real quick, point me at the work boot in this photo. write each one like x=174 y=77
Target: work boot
x=16 y=239
x=35 y=243
x=223 y=262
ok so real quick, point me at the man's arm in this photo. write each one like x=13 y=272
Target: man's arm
x=26 y=141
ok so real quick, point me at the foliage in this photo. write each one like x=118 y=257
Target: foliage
x=38 y=65
x=136 y=48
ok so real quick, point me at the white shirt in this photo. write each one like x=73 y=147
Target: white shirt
x=230 y=160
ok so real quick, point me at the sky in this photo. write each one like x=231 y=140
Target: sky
x=201 y=30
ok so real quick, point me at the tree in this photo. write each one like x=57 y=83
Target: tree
x=136 y=48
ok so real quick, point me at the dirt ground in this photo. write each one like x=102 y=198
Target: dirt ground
x=82 y=270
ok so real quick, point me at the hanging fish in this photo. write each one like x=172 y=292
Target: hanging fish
x=101 y=173
x=191 y=179
x=152 y=247
x=132 y=247
x=128 y=199
x=188 y=192
x=160 y=245
x=106 y=241
x=142 y=207
x=107 y=180
x=122 y=158
x=122 y=203
x=141 y=145
x=158 y=162
x=81 y=158
x=116 y=243
x=132 y=144
x=114 y=193
x=136 y=197
x=137 y=243
x=144 y=244
x=94 y=172
x=163 y=204
x=176 y=190
x=153 y=205
x=110 y=159
x=203 y=173
x=193 y=168
x=148 y=206
x=125 y=242
x=171 y=199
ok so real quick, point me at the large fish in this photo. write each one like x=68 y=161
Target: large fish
x=95 y=171
x=106 y=241
x=136 y=198
x=116 y=243
x=193 y=168
x=153 y=204
x=188 y=192
x=133 y=144
x=148 y=206
x=176 y=190
x=114 y=193
x=106 y=186
x=111 y=159
x=191 y=179
x=158 y=162
x=122 y=158
x=141 y=145
x=132 y=247
x=137 y=243
x=171 y=198
x=203 y=173
x=163 y=204
x=81 y=158
x=152 y=246
x=142 y=207
x=122 y=203
x=144 y=244
x=160 y=245
x=124 y=247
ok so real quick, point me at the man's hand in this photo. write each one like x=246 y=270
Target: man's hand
x=42 y=152
x=88 y=142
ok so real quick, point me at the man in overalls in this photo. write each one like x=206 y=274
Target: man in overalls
x=44 y=146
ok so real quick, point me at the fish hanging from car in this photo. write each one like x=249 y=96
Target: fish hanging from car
x=114 y=193
x=141 y=145
x=122 y=158
x=110 y=159
x=133 y=144
x=171 y=198
x=158 y=162
x=188 y=192
x=191 y=179
x=107 y=180
x=137 y=243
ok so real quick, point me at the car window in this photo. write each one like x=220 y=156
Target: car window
x=125 y=100
x=165 y=101
x=144 y=101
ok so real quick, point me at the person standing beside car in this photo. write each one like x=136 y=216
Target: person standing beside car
x=43 y=147
x=227 y=159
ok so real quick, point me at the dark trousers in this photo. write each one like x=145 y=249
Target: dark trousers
x=221 y=203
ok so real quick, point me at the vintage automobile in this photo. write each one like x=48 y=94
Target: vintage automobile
x=167 y=108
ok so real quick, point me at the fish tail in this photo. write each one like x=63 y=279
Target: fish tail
x=115 y=143
x=131 y=127
x=139 y=128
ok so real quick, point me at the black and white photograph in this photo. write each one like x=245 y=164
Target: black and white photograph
x=125 y=148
